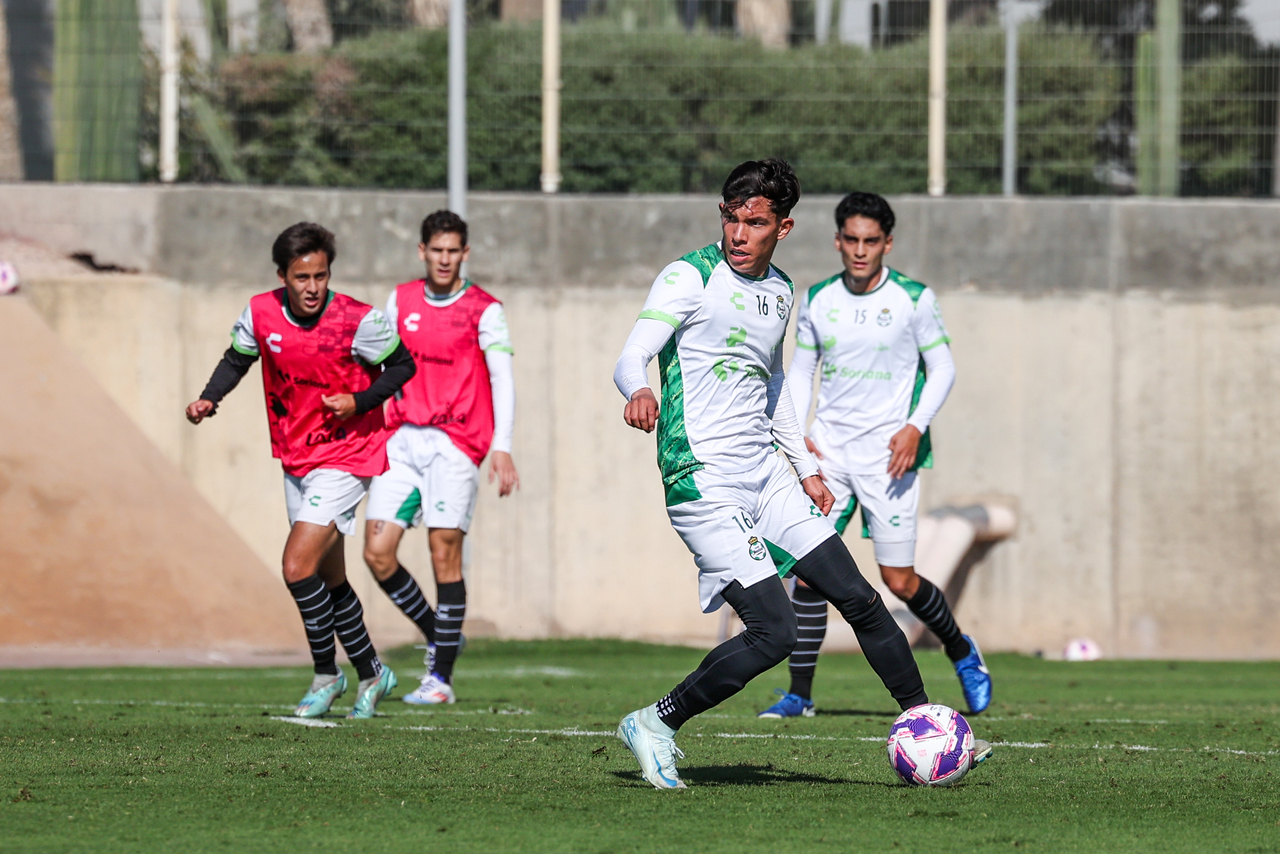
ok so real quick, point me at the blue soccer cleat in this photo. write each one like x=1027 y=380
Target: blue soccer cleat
x=975 y=680
x=325 y=688
x=370 y=692
x=790 y=706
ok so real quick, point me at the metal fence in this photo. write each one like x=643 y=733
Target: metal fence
x=1175 y=97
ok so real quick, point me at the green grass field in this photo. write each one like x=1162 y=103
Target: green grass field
x=1107 y=756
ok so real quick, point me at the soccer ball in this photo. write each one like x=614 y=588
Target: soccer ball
x=8 y=278
x=931 y=745
x=1082 y=649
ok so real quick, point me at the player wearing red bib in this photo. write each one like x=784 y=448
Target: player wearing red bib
x=324 y=389
x=458 y=408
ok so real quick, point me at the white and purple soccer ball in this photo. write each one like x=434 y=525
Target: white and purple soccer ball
x=1082 y=649
x=8 y=278
x=931 y=745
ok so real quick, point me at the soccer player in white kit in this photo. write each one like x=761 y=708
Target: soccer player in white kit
x=886 y=371
x=716 y=319
x=458 y=408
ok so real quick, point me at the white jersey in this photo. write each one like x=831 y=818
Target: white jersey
x=870 y=348
x=714 y=369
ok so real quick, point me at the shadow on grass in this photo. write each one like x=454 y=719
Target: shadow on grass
x=746 y=775
x=855 y=713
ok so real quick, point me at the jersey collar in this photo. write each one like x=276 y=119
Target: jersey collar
x=444 y=302
x=310 y=321
x=884 y=277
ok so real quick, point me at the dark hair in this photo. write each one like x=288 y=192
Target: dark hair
x=444 y=222
x=869 y=205
x=300 y=239
x=772 y=178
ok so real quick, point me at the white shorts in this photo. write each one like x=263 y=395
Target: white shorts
x=889 y=510
x=429 y=482
x=323 y=496
x=744 y=527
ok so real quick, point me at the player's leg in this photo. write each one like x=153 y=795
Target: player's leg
x=452 y=484
x=395 y=504
x=717 y=525
x=892 y=507
x=329 y=499
x=768 y=636
x=304 y=552
x=804 y=541
x=811 y=619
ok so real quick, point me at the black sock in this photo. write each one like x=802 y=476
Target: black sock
x=317 y=618
x=348 y=622
x=769 y=637
x=451 y=610
x=930 y=607
x=811 y=621
x=831 y=570
x=407 y=595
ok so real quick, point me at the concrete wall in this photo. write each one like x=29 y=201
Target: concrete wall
x=1115 y=360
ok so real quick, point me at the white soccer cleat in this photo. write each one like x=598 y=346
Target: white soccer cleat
x=432 y=692
x=656 y=753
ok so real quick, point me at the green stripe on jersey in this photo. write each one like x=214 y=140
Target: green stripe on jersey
x=804 y=346
x=913 y=288
x=651 y=314
x=814 y=290
x=943 y=340
x=924 y=451
x=235 y=345
x=391 y=348
x=499 y=348
x=675 y=455
x=704 y=260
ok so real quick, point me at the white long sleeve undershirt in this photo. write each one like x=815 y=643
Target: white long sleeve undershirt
x=647 y=338
x=502 y=385
x=940 y=376
x=786 y=427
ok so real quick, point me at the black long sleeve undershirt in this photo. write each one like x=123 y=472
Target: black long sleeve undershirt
x=397 y=369
x=227 y=375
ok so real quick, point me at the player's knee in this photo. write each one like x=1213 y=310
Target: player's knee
x=380 y=562
x=777 y=638
x=900 y=584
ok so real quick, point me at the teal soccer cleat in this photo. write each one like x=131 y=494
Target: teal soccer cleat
x=975 y=680
x=324 y=689
x=370 y=692
x=790 y=706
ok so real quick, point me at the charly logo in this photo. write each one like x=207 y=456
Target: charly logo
x=782 y=307
x=755 y=548
x=884 y=318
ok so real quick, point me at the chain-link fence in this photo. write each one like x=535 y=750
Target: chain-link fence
x=661 y=95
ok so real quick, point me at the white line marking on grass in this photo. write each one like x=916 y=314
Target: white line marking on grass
x=524 y=672
x=306 y=722
x=175 y=703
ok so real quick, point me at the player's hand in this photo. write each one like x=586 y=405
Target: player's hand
x=903 y=447
x=200 y=410
x=642 y=411
x=813 y=449
x=343 y=406
x=503 y=468
x=818 y=493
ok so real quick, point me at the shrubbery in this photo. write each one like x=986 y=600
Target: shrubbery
x=671 y=112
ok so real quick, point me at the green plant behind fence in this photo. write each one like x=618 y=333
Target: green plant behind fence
x=97 y=80
x=662 y=112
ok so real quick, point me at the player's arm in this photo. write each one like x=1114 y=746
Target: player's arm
x=378 y=344
x=674 y=299
x=786 y=432
x=495 y=341
x=804 y=364
x=235 y=363
x=940 y=375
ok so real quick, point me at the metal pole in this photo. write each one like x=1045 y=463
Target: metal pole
x=1169 y=61
x=550 y=96
x=457 y=107
x=937 y=97
x=169 y=69
x=1010 y=164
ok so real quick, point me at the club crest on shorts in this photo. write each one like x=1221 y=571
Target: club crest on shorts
x=755 y=548
x=885 y=318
